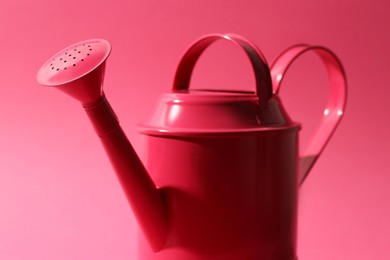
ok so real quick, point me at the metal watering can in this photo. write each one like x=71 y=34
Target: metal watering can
x=223 y=166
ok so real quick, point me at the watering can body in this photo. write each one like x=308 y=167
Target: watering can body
x=234 y=202
x=223 y=166
x=230 y=186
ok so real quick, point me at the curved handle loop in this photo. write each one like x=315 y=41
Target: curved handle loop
x=259 y=64
x=334 y=108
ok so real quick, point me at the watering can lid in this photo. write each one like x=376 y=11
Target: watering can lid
x=205 y=112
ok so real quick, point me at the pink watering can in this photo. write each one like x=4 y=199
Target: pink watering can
x=223 y=166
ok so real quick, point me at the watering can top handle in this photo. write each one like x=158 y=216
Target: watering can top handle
x=259 y=64
x=336 y=102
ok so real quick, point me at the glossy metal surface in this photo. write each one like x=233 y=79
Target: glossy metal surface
x=222 y=181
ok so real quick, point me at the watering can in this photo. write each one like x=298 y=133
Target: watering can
x=223 y=168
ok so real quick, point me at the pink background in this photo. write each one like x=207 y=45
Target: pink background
x=59 y=198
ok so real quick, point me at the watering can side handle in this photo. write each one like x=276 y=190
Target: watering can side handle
x=335 y=106
x=258 y=62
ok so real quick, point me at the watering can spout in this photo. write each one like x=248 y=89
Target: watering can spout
x=145 y=199
x=83 y=81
